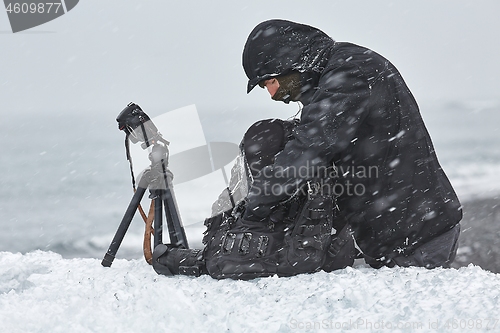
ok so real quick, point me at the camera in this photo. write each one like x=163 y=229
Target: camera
x=138 y=126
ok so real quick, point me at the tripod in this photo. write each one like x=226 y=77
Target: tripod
x=159 y=181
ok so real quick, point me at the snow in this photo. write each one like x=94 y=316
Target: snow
x=42 y=292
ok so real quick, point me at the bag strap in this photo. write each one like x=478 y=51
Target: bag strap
x=345 y=235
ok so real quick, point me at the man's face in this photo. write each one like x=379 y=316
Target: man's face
x=272 y=86
x=284 y=88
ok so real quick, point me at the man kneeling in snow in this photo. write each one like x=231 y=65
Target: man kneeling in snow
x=360 y=120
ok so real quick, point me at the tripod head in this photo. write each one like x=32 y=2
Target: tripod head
x=138 y=126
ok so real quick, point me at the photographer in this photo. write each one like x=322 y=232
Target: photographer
x=360 y=117
x=359 y=114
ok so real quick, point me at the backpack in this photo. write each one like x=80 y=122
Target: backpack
x=296 y=238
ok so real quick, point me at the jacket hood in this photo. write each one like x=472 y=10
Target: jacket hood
x=276 y=47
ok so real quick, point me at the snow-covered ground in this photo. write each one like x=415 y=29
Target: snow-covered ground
x=42 y=292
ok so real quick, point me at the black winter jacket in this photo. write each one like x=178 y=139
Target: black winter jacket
x=360 y=115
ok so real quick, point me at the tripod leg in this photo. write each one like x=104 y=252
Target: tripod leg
x=174 y=223
x=122 y=229
x=158 y=223
x=175 y=228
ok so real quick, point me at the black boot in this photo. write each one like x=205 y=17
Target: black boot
x=169 y=260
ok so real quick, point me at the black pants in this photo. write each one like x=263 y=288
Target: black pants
x=439 y=252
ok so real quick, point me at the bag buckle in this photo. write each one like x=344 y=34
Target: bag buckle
x=262 y=245
x=244 y=245
x=228 y=242
x=190 y=270
x=313 y=188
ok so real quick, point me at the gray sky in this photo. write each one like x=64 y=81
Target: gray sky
x=168 y=54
